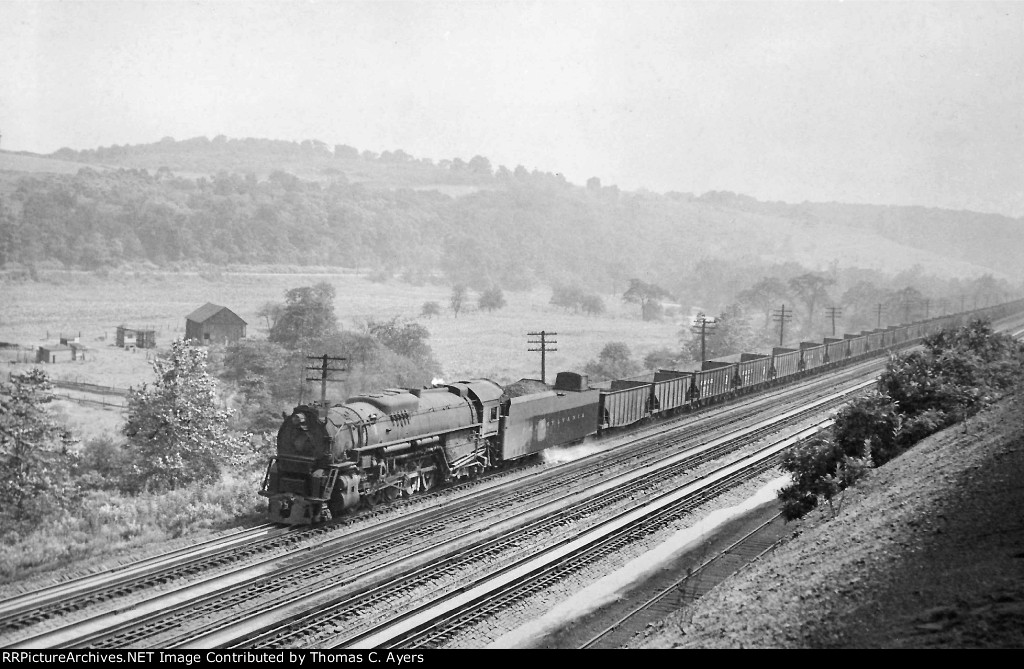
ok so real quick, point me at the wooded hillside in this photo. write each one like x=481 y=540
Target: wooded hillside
x=252 y=201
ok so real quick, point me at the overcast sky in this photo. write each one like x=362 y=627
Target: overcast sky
x=889 y=103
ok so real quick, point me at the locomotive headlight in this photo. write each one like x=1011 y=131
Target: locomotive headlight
x=299 y=421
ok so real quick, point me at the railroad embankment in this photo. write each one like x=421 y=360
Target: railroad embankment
x=926 y=552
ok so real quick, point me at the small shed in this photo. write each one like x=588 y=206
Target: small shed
x=53 y=353
x=214 y=324
x=133 y=337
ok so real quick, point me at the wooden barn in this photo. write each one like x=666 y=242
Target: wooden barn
x=214 y=324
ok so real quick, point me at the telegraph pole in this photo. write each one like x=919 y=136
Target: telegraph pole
x=879 y=326
x=832 y=313
x=543 y=342
x=700 y=326
x=325 y=370
x=780 y=316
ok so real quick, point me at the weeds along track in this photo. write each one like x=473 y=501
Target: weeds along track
x=36 y=606
x=479 y=551
x=351 y=555
x=174 y=615
x=79 y=595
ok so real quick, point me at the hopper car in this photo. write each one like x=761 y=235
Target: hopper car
x=335 y=458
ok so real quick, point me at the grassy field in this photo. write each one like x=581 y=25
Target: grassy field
x=477 y=343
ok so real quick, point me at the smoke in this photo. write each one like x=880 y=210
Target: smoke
x=560 y=454
x=437 y=381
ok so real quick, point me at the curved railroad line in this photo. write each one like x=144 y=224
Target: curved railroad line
x=53 y=596
x=436 y=622
x=41 y=605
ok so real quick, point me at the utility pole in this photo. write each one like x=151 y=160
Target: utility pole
x=879 y=326
x=700 y=326
x=325 y=369
x=832 y=313
x=780 y=316
x=543 y=342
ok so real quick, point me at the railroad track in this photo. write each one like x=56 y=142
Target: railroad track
x=436 y=622
x=276 y=579
x=652 y=434
x=41 y=605
x=696 y=583
x=569 y=510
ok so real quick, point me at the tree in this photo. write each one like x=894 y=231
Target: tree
x=764 y=296
x=647 y=295
x=731 y=334
x=480 y=165
x=264 y=374
x=308 y=314
x=614 y=362
x=176 y=431
x=907 y=305
x=271 y=311
x=458 y=298
x=567 y=296
x=491 y=299
x=664 y=358
x=405 y=339
x=34 y=457
x=430 y=309
x=812 y=288
x=869 y=426
x=820 y=469
x=860 y=305
x=592 y=304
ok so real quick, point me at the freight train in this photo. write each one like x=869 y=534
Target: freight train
x=332 y=459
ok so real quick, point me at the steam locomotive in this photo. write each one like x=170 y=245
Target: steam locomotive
x=333 y=459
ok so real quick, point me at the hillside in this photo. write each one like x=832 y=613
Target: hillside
x=254 y=201
x=925 y=553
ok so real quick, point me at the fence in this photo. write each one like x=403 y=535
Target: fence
x=116 y=401
x=90 y=388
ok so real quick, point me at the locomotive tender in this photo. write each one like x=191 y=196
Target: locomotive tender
x=374 y=448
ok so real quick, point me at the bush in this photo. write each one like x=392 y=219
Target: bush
x=430 y=309
x=821 y=469
x=922 y=392
x=873 y=422
x=491 y=299
x=102 y=464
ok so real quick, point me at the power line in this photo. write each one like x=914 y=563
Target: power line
x=544 y=349
x=700 y=326
x=832 y=313
x=781 y=316
x=325 y=370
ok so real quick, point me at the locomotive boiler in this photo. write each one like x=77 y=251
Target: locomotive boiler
x=374 y=448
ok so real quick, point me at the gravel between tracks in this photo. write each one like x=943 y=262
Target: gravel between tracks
x=927 y=552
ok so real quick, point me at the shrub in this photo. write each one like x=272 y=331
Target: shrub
x=821 y=470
